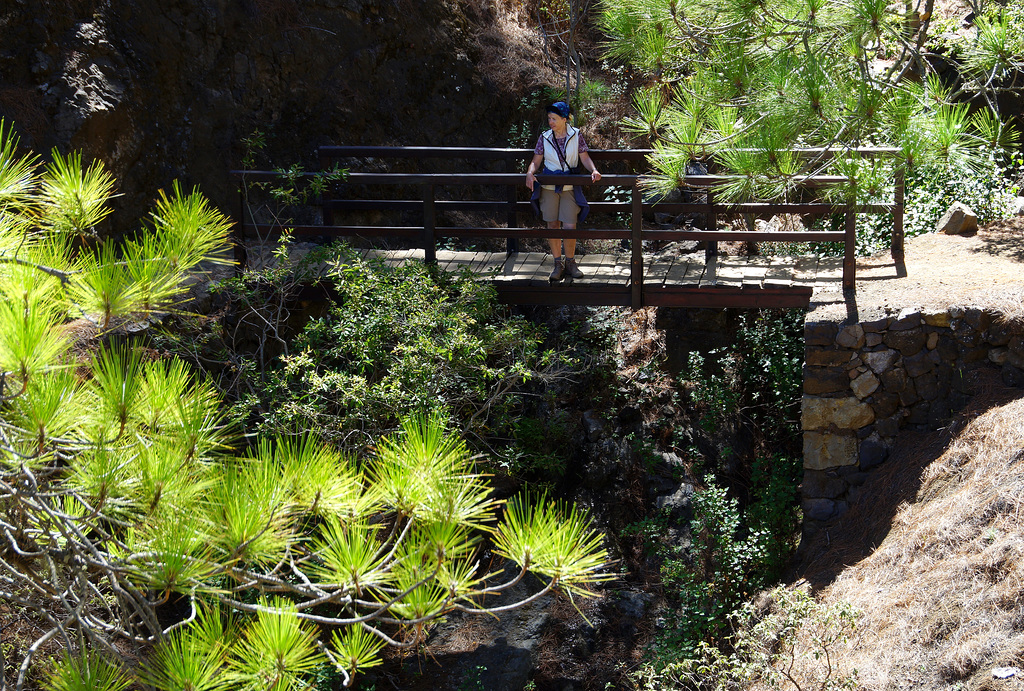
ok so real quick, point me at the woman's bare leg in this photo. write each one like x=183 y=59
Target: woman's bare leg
x=571 y=270
x=570 y=244
x=555 y=244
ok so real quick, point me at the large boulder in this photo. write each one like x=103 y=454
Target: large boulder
x=959 y=219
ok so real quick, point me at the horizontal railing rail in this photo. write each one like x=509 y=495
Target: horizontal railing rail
x=427 y=205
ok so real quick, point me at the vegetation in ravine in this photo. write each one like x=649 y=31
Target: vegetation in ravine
x=785 y=639
x=134 y=516
x=395 y=341
x=742 y=539
x=720 y=631
x=745 y=506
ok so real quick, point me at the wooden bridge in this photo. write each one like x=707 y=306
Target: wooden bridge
x=629 y=278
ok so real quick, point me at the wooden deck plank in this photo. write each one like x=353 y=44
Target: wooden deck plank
x=607 y=272
x=731 y=271
x=508 y=267
x=656 y=269
x=624 y=270
x=452 y=261
x=492 y=263
x=711 y=268
x=696 y=268
x=805 y=272
x=680 y=268
x=444 y=258
x=399 y=258
x=727 y=280
x=479 y=261
x=591 y=266
x=461 y=260
x=524 y=267
x=542 y=270
x=780 y=272
x=612 y=270
x=511 y=265
x=755 y=271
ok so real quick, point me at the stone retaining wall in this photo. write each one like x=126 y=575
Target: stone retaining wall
x=865 y=382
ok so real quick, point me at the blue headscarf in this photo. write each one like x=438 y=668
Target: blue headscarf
x=559 y=108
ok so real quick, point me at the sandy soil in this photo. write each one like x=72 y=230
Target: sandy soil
x=985 y=269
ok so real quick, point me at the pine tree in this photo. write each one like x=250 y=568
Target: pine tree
x=750 y=82
x=123 y=491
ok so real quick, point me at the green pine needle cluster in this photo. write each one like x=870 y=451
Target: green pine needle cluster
x=130 y=510
x=749 y=82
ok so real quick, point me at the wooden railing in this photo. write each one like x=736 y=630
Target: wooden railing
x=509 y=206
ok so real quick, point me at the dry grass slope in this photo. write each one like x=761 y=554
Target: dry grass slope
x=942 y=594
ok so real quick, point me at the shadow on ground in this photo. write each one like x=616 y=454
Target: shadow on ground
x=1004 y=238
x=862 y=529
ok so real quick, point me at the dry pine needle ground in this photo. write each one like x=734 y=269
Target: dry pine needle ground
x=942 y=594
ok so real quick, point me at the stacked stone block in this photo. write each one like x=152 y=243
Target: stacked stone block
x=866 y=381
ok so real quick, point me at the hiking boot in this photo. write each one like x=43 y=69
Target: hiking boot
x=558 y=271
x=571 y=270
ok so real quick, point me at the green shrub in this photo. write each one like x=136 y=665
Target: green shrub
x=714 y=386
x=929 y=192
x=398 y=341
x=759 y=375
x=719 y=574
x=774 y=510
x=791 y=645
x=543 y=444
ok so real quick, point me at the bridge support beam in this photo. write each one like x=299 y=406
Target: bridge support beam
x=429 y=223
x=636 y=264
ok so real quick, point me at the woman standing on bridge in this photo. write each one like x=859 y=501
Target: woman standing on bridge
x=560 y=151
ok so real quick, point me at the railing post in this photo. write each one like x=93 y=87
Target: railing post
x=512 y=243
x=429 y=223
x=241 y=254
x=326 y=213
x=711 y=248
x=636 y=265
x=897 y=213
x=849 y=251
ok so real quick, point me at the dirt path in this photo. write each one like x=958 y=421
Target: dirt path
x=985 y=269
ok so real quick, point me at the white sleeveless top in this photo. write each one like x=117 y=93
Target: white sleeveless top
x=572 y=153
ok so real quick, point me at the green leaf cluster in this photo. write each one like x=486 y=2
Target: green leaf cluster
x=401 y=341
x=724 y=571
x=758 y=377
x=789 y=641
x=930 y=190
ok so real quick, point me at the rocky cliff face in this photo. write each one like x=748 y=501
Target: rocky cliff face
x=166 y=89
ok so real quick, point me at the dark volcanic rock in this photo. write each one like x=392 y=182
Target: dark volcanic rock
x=167 y=89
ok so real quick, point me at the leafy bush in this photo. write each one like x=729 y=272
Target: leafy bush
x=720 y=575
x=404 y=340
x=773 y=510
x=714 y=391
x=931 y=189
x=544 y=443
x=792 y=645
x=759 y=375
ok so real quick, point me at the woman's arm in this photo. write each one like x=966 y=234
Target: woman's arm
x=531 y=170
x=588 y=163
